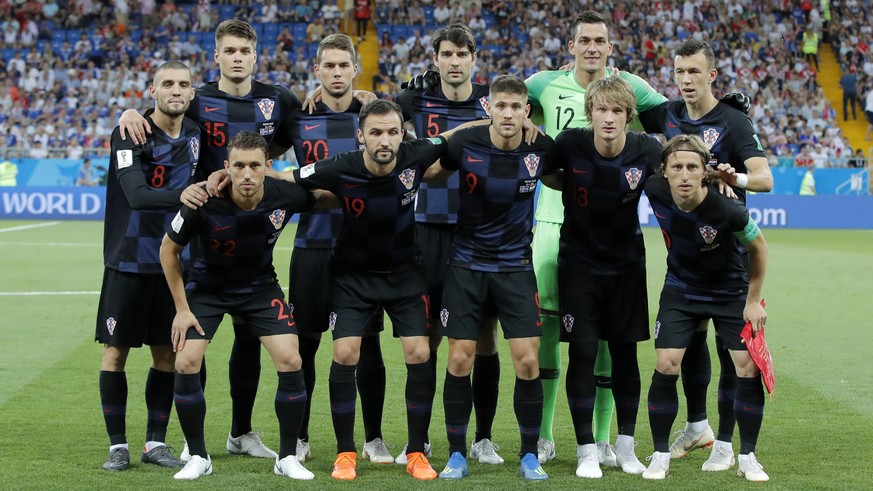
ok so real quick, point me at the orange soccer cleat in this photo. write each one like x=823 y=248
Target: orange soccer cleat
x=344 y=466
x=419 y=467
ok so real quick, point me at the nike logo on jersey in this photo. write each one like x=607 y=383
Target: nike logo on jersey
x=579 y=171
x=219 y=228
x=208 y=109
x=308 y=127
x=671 y=125
x=562 y=96
x=433 y=104
x=472 y=160
x=660 y=215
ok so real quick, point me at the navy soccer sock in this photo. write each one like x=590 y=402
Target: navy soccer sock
x=113 y=398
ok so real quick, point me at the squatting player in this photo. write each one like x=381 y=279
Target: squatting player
x=735 y=148
x=708 y=277
x=232 y=272
x=489 y=268
x=143 y=188
x=429 y=111
x=601 y=261
x=558 y=100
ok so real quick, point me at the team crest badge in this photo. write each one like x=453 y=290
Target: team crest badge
x=484 y=102
x=407 y=177
x=708 y=234
x=110 y=325
x=331 y=320
x=444 y=317
x=266 y=106
x=633 y=176
x=657 y=328
x=532 y=162
x=568 y=322
x=277 y=218
x=710 y=135
x=194 y=143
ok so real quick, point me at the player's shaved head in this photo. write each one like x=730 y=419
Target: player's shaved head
x=236 y=28
x=611 y=90
x=457 y=34
x=171 y=65
x=693 y=46
x=588 y=17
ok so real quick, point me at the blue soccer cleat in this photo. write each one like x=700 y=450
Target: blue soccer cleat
x=531 y=468
x=456 y=467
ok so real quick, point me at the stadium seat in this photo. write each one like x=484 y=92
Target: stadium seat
x=8 y=54
x=226 y=12
x=299 y=31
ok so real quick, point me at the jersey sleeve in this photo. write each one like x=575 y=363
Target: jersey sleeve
x=748 y=144
x=658 y=191
x=404 y=100
x=427 y=151
x=647 y=97
x=652 y=148
x=184 y=225
x=282 y=140
x=451 y=159
x=300 y=200
x=324 y=174
x=654 y=118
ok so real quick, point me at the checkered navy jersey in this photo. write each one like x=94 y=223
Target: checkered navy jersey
x=704 y=258
x=378 y=232
x=232 y=249
x=265 y=110
x=601 y=231
x=319 y=136
x=431 y=113
x=495 y=217
x=727 y=132
x=132 y=238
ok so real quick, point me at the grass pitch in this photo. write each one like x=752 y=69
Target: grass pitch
x=816 y=433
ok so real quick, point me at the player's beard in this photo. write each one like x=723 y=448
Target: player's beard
x=382 y=160
x=169 y=111
x=337 y=93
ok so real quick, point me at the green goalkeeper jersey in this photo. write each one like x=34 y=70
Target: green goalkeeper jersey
x=562 y=101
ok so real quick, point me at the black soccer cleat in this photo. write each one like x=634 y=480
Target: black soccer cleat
x=118 y=460
x=163 y=457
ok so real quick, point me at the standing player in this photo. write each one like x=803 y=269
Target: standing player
x=235 y=103
x=376 y=262
x=330 y=130
x=428 y=112
x=489 y=268
x=708 y=277
x=601 y=262
x=233 y=273
x=143 y=187
x=731 y=139
x=558 y=99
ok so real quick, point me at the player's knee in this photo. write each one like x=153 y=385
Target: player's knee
x=527 y=365
x=745 y=366
x=289 y=363
x=186 y=365
x=668 y=365
x=346 y=355
x=419 y=353
x=114 y=358
x=460 y=363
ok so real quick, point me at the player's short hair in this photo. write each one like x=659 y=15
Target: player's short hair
x=613 y=90
x=336 y=41
x=588 y=17
x=508 y=84
x=171 y=65
x=457 y=33
x=237 y=28
x=379 y=107
x=689 y=143
x=248 y=140
x=693 y=46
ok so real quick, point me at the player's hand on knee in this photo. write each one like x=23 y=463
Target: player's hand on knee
x=195 y=195
x=133 y=124
x=181 y=323
x=217 y=181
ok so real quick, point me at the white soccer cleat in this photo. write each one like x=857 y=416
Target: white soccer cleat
x=545 y=450
x=606 y=454
x=686 y=442
x=751 y=469
x=291 y=467
x=303 y=450
x=377 y=452
x=486 y=451
x=721 y=458
x=249 y=444
x=185 y=456
x=588 y=462
x=659 y=466
x=196 y=467
x=401 y=459
x=627 y=459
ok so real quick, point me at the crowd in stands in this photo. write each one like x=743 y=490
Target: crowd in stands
x=69 y=67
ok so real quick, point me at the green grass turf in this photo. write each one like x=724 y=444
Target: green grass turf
x=816 y=431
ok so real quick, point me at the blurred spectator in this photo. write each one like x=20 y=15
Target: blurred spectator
x=868 y=112
x=849 y=83
x=807 y=185
x=804 y=159
x=858 y=160
x=86 y=176
x=8 y=172
x=362 y=18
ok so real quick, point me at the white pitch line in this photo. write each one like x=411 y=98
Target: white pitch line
x=27 y=227
x=37 y=294
x=50 y=244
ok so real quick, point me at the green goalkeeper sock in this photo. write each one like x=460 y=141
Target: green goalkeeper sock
x=550 y=371
x=604 y=404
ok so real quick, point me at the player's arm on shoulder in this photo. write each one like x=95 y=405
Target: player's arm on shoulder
x=325 y=200
x=133 y=124
x=469 y=124
x=127 y=158
x=437 y=172
x=553 y=174
x=647 y=97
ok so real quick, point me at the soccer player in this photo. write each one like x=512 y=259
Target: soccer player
x=235 y=103
x=142 y=194
x=737 y=153
x=233 y=273
x=330 y=130
x=708 y=277
x=428 y=112
x=489 y=268
x=601 y=262
x=558 y=101
x=376 y=262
